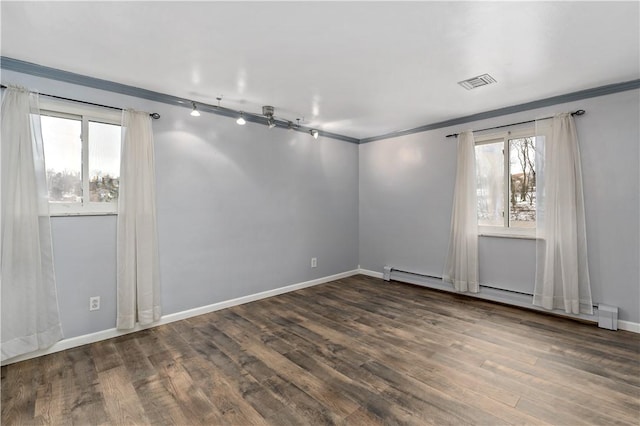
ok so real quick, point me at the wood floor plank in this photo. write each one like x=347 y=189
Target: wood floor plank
x=356 y=351
x=133 y=357
x=54 y=388
x=328 y=364
x=19 y=405
x=312 y=411
x=272 y=407
x=592 y=383
x=122 y=403
x=361 y=417
x=549 y=393
x=105 y=355
x=419 y=397
x=309 y=383
x=338 y=376
x=475 y=393
x=228 y=400
x=174 y=340
x=468 y=342
x=87 y=403
x=194 y=403
x=571 y=348
x=159 y=404
x=611 y=405
x=462 y=340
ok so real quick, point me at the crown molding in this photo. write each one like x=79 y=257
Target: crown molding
x=123 y=89
x=554 y=100
x=110 y=86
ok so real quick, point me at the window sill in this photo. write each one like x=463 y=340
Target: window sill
x=73 y=214
x=501 y=235
x=78 y=209
x=503 y=232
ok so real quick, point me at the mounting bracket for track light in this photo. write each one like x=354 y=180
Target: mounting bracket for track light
x=268 y=111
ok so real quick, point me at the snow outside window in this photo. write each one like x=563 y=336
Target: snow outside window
x=506 y=179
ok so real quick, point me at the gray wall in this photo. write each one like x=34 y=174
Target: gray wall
x=406 y=191
x=241 y=210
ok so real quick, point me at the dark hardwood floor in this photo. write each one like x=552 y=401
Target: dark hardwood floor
x=354 y=351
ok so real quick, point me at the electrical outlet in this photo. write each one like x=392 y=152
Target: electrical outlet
x=94 y=303
x=314 y=262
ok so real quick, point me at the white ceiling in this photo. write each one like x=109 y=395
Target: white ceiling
x=356 y=68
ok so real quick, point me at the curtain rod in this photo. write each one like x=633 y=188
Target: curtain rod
x=153 y=115
x=455 y=135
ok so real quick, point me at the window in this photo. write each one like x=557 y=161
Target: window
x=506 y=177
x=82 y=158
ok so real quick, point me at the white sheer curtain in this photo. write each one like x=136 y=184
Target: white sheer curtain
x=138 y=273
x=461 y=267
x=30 y=315
x=562 y=273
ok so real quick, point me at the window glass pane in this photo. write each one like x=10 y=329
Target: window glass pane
x=104 y=162
x=490 y=174
x=522 y=183
x=63 y=158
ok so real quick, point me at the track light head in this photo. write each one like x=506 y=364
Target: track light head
x=314 y=133
x=194 y=111
x=241 y=121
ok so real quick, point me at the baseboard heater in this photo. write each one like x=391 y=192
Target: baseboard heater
x=605 y=316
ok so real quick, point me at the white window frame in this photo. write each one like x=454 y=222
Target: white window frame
x=85 y=114
x=505 y=230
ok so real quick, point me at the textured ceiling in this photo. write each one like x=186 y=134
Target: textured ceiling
x=356 y=68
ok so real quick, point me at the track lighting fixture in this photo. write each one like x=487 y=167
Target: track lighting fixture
x=268 y=113
x=194 y=111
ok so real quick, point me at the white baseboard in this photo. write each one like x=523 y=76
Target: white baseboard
x=370 y=273
x=166 y=319
x=629 y=326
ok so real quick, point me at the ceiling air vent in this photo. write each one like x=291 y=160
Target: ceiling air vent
x=481 y=80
